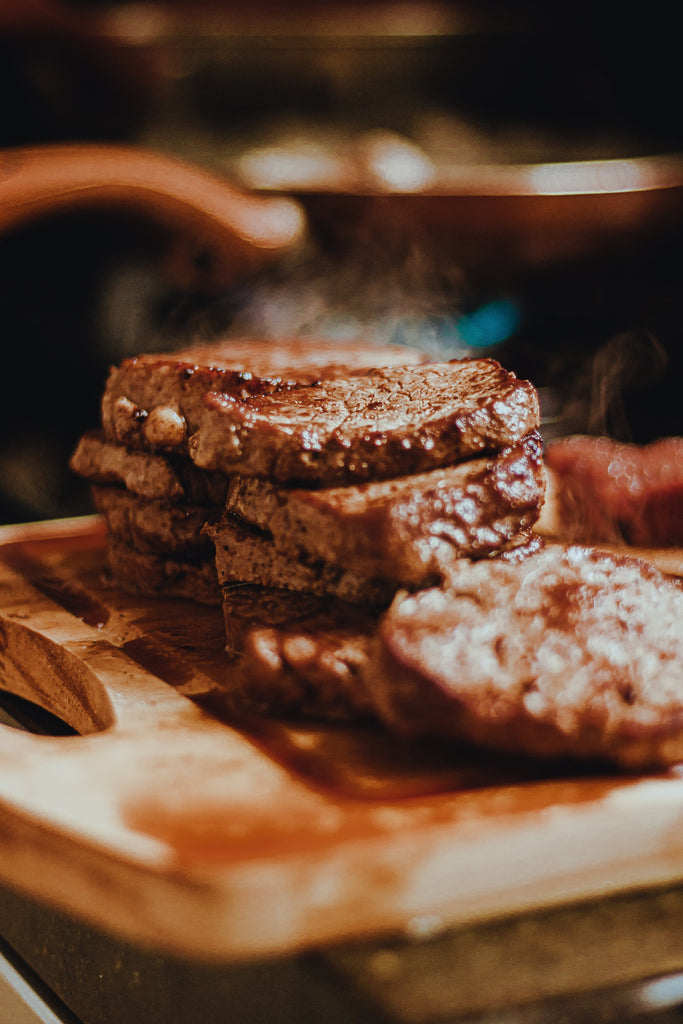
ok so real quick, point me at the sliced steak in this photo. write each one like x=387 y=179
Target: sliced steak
x=152 y=476
x=247 y=555
x=572 y=651
x=293 y=654
x=159 y=527
x=162 y=575
x=385 y=423
x=406 y=530
x=608 y=491
x=155 y=401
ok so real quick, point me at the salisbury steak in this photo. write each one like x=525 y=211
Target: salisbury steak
x=409 y=529
x=293 y=653
x=155 y=401
x=385 y=423
x=150 y=475
x=570 y=652
x=248 y=555
x=160 y=527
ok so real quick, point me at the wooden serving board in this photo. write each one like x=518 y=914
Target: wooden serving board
x=170 y=823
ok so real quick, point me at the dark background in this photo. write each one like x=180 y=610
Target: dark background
x=601 y=337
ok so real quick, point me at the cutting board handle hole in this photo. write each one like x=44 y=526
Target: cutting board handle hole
x=21 y=713
x=43 y=672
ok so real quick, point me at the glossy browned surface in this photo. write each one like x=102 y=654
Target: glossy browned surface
x=174 y=384
x=571 y=651
x=385 y=423
x=408 y=529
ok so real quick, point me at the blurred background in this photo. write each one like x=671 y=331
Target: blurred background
x=427 y=145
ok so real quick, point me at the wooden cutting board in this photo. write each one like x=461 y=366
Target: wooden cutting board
x=169 y=822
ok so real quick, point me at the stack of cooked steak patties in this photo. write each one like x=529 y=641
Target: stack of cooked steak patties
x=370 y=536
x=329 y=494
x=154 y=499
x=350 y=490
x=155 y=507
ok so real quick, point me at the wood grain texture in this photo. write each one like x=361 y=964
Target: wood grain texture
x=172 y=824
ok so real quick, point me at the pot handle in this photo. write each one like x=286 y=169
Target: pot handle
x=217 y=232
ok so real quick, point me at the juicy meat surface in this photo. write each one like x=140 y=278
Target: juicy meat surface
x=385 y=423
x=612 y=492
x=154 y=526
x=246 y=555
x=409 y=529
x=293 y=654
x=149 y=475
x=156 y=401
x=571 y=652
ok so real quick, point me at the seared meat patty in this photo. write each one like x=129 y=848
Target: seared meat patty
x=385 y=423
x=409 y=529
x=572 y=651
x=295 y=654
x=164 y=575
x=156 y=401
x=150 y=475
x=160 y=527
x=606 y=491
x=248 y=555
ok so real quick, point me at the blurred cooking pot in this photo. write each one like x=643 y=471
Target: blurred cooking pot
x=216 y=233
x=491 y=218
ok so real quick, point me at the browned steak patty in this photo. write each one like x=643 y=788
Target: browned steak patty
x=159 y=527
x=409 y=529
x=385 y=423
x=246 y=555
x=606 y=491
x=153 y=476
x=570 y=652
x=156 y=401
x=162 y=575
x=295 y=654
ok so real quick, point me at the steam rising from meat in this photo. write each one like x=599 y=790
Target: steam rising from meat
x=385 y=289
x=628 y=365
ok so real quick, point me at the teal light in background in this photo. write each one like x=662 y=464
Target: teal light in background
x=490 y=324
x=457 y=335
